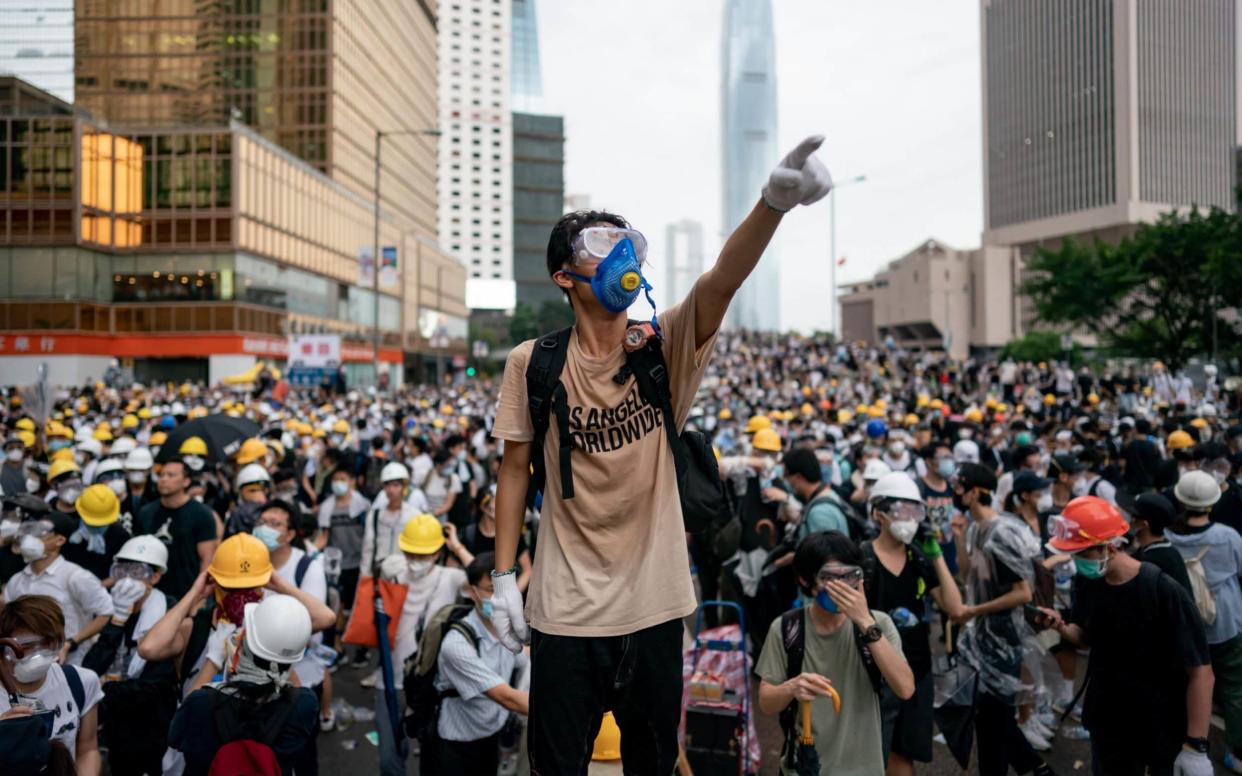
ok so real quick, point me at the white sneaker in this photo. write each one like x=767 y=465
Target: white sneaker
x=327 y=722
x=1034 y=737
x=372 y=680
x=1041 y=728
x=1048 y=720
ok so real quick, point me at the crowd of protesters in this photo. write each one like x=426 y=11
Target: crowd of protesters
x=175 y=598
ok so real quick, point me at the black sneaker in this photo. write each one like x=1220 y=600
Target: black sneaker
x=361 y=660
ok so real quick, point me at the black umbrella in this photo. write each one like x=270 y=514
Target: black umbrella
x=808 y=757
x=223 y=434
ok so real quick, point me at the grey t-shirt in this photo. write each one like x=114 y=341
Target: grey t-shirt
x=345 y=527
x=849 y=744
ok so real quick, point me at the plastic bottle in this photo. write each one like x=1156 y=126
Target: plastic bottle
x=903 y=618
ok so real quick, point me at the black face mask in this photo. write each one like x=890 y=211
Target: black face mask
x=960 y=503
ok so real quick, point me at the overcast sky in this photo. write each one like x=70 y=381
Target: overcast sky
x=892 y=84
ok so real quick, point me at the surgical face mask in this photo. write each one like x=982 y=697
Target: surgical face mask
x=1045 y=501
x=1080 y=487
x=1022 y=438
x=117 y=486
x=268 y=535
x=825 y=602
x=32 y=485
x=33 y=667
x=340 y=487
x=946 y=467
x=896 y=448
x=195 y=462
x=14 y=454
x=155 y=450
x=903 y=530
x=137 y=478
x=31 y=548
x=1091 y=569
x=965 y=433
x=8 y=529
x=485 y=608
x=287 y=494
x=618 y=279
x=420 y=568
x=461 y=456
x=57 y=444
x=69 y=493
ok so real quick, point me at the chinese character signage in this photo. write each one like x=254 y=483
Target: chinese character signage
x=315 y=350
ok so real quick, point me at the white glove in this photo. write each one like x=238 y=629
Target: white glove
x=799 y=179
x=1190 y=763
x=392 y=566
x=507 y=614
x=125 y=593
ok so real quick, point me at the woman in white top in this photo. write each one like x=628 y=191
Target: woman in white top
x=387 y=518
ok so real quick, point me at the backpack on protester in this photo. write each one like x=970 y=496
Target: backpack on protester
x=421 y=669
x=704 y=505
x=1200 y=590
x=246 y=732
x=859 y=531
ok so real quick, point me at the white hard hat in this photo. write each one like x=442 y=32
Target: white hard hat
x=875 y=469
x=85 y=434
x=277 y=629
x=1208 y=410
x=108 y=465
x=252 y=473
x=123 y=446
x=1197 y=490
x=895 y=485
x=394 y=471
x=139 y=460
x=92 y=446
x=145 y=549
x=966 y=451
x=177 y=408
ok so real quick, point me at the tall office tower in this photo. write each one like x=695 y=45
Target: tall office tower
x=317 y=78
x=476 y=147
x=748 y=106
x=682 y=259
x=1102 y=114
x=36 y=44
x=527 y=74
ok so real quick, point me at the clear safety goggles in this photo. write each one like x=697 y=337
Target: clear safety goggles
x=36 y=528
x=593 y=244
x=1064 y=529
x=850 y=575
x=130 y=569
x=107 y=477
x=27 y=645
x=907 y=510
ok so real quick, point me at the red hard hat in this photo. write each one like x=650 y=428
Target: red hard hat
x=1086 y=521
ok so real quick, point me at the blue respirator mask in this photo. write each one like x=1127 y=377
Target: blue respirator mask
x=618 y=278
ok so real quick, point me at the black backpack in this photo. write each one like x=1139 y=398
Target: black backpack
x=703 y=501
x=421 y=669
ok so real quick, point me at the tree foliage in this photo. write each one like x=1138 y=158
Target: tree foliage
x=529 y=322
x=1154 y=295
x=1039 y=346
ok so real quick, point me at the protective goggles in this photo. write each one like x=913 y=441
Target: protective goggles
x=850 y=575
x=129 y=569
x=593 y=244
x=1066 y=530
x=906 y=510
x=16 y=647
x=35 y=528
x=107 y=477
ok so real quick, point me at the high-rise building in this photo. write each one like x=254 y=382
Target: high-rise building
x=682 y=259
x=1099 y=115
x=527 y=73
x=476 y=147
x=748 y=102
x=36 y=44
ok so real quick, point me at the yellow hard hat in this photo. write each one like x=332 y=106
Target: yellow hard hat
x=922 y=401
x=61 y=467
x=25 y=424
x=196 y=412
x=102 y=433
x=67 y=412
x=340 y=427
x=876 y=412
x=446 y=409
x=63 y=454
x=1002 y=407
x=1093 y=399
x=862 y=409
x=437 y=423
x=974 y=415
x=844 y=416
x=193 y=446
x=144 y=413
x=1179 y=440
x=27 y=437
x=422 y=536
x=758 y=423
x=774 y=414
x=98 y=506
x=881 y=403
x=318 y=433
x=251 y=450
x=1199 y=423
x=157 y=438
x=1049 y=399
x=241 y=561
x=807 y=409
x=608 y=742
x=990 y=403
x=463 y=421
x=58 y=429
x=184 y=390
x=936 y=404
x=912 y=419
x=725 y=414
x=767 y=439
x=1147 y=390
x=129 y=421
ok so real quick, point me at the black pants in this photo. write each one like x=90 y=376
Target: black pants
x=135 y=763
x=1126 y=758
x=1000 y=742
x=461 y=758
x=574 y=680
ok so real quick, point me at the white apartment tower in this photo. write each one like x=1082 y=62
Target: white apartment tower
x=476 y=145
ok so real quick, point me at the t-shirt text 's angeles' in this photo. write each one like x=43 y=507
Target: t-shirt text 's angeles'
x=612 y=560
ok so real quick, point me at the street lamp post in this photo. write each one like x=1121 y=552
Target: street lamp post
x=375 y=246
x=832 y=249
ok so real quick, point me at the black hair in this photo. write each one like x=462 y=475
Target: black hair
x=284 y=473
x=560 y=242
x=483 y=563
x=818 y=548
x=440 y=456
x=803 y=462
x=928 y=451
x=453 y=441
x=1021 y=453
x=291 y=514
x=342 y=469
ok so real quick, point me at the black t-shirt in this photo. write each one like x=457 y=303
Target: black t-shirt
x=886 y=592
x=1143 y=635
x=99 y=565
x=477 y=543
x=10 y=562
x=1228 y=511
x=181 y=529
x=1169 y=560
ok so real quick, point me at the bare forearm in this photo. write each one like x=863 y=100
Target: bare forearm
x=894 y=668
x=1199 y=701
x=738 y=258
x=947 y=595
x=92 y=628
x=773 y=698
x=1019 y=595
x=511 y=501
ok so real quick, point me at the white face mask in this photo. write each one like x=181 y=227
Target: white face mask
x=340 y=488
x=33 y=667
x=31 y=548
x=8 y=529
x=32 y=485
x=118 y=487
x=14 y=455
x=1045 y=501
x=137 y=477
x=1080 y=487
x=420 y=568
x=903 y=530
x=896 y=449
x=69 y=494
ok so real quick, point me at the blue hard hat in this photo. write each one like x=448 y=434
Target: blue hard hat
x=168 y=422
x=876 y=428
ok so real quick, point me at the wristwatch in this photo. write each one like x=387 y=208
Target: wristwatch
x=872 y=634
x=1199 y=745
x=72 y=644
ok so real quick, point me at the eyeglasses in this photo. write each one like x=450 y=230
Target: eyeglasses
x=850 y=575
x=593 y=244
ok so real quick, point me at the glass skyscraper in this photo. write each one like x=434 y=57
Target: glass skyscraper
x=748 y=105
x=36 y=44
x=527 y=87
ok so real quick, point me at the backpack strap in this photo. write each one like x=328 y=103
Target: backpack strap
x=870 y=568
x=651 y=373
x=75 y=685
x=300 y=572
x=544 y=391
x=793 y=637
x=864 y=653
x=471 y=638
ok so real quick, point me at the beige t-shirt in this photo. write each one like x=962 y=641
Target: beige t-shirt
x=612 y=560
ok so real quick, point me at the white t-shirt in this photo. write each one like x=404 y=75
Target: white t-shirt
x=438 y=488
x=56 y=697
x=428 y=594
x=153 y=609
x=309 y=669
x=80 y=594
